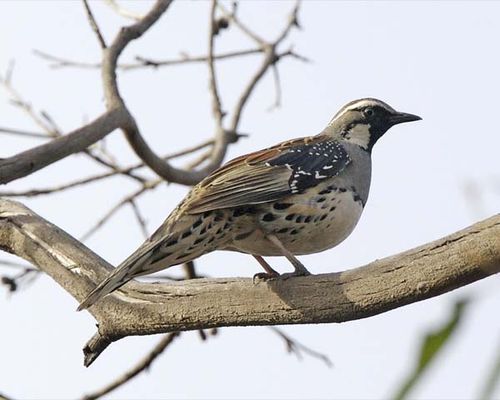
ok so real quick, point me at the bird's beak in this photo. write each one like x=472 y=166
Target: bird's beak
x=401 y=117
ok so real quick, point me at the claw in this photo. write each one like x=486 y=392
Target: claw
x=264 y=276
x=294 y=274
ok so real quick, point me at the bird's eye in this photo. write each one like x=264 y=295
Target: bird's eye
x=369 y=112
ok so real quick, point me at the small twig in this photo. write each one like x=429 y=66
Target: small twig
x=148 y=186
x=216 y=103
x=292 y=22
x=94 y=26
x=60 y=188
x=232 y=17
x=198 y=160
x=144 y=62
x=295 y=347
x=19 y=102
x=142 y=365
x=13 y=264
x=19 y=132
x=25 y=277
x=46 y=122
x=270 y=59
x=123 y=12
x=277 y=88
x=186 y=59
x=190 y=270
x=140 y=219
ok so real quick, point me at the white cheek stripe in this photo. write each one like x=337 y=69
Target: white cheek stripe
x=359 y=134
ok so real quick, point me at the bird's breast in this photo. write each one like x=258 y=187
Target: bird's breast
x=315 y=220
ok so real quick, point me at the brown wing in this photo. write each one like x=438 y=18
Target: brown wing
x=240 y=182
x=269 y=174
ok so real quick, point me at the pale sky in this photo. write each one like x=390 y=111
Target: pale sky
x=439 y=60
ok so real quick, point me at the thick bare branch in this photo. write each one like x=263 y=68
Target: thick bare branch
x=131 y=130
x=114 y=100
x=98 y=177
x=111 y=54
x=32 y=160
x=140 y=309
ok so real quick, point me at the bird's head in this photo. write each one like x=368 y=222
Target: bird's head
x=364 y=121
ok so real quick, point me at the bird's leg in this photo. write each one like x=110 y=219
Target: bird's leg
x=300 y=270
x=270 y=273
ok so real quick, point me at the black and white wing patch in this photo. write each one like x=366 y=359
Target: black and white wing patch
x=312 y=162
x=268 y=175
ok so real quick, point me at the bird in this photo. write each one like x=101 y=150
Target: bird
x=301 y=196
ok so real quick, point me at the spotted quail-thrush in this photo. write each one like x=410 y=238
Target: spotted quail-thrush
x=302 y=196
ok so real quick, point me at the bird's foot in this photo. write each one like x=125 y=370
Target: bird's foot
x=297 y=272
x=265 y=276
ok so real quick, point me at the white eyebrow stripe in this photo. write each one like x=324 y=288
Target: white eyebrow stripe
x=368 y=102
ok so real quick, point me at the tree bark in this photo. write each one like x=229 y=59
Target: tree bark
x=141 y=309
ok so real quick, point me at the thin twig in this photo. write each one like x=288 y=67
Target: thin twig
x=277 y=88
x=142 y=365
x=127 y=199
x=13 y=264
x=216 y=103
x=271 y=58
x=123 y=12
x=23 y=278
x=144 y=62
x=295 y=347
x=46 y=122
x=232 y=17
x=19 y=132
x=186 y=59
x=94 y=26
x=140 y=219
x=292 y=22
x=18 y=101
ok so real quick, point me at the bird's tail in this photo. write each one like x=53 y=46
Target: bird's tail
x=133 y=266
x=115 y=280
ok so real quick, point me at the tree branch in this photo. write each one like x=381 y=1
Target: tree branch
x=142 y=365
x=141 y=309
x=144 y=62
x=32 y=160
x=93 y=25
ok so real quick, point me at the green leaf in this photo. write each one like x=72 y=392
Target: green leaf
x=433 y=342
